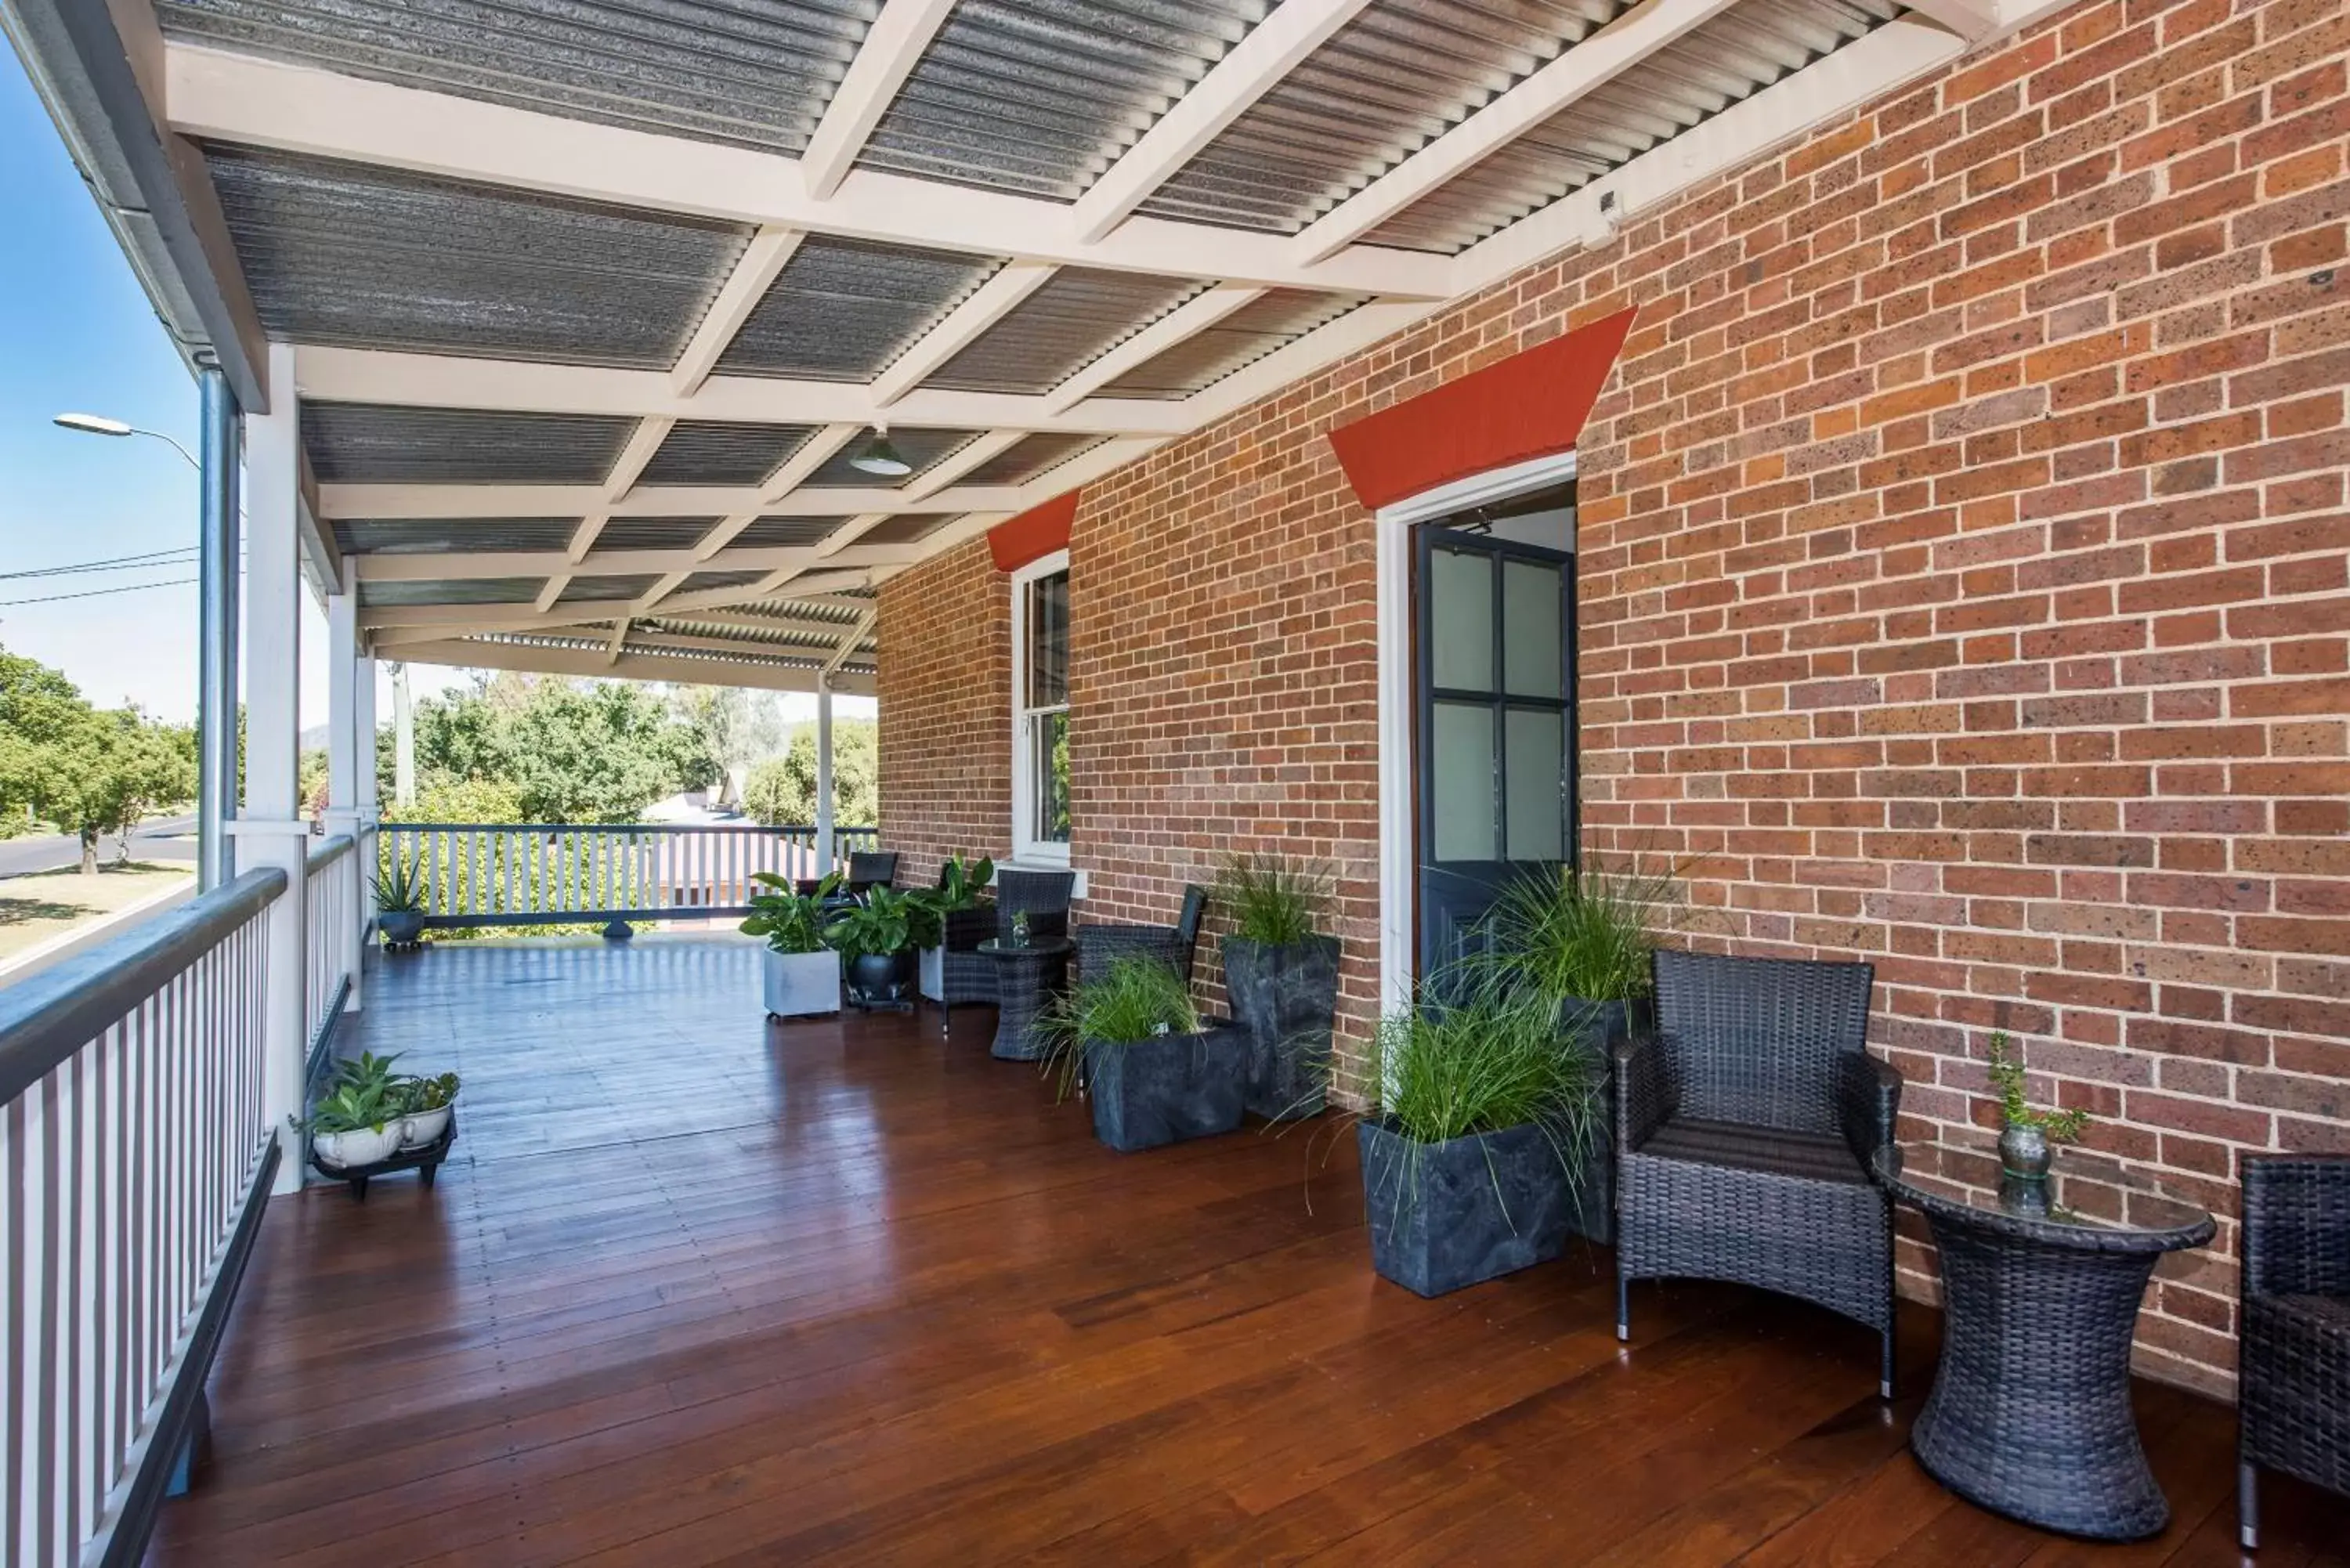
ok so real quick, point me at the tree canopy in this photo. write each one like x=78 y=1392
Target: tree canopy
x=782 y=790
x=90 y=770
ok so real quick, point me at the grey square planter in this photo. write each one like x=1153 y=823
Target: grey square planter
x=1473 y=1209
x=1167 y=1088
x=1286 y=998
x=800 y=985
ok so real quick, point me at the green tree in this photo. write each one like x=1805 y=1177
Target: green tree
x=39 y=709
x=107 y=773
x=591 y=753
x=782 y=790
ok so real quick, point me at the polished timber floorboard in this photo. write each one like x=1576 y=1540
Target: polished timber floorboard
x=696 y=1289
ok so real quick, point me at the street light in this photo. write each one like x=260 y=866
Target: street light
x=98 y=424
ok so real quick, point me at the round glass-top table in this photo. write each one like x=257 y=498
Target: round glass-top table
x=2030 y=1416
x=1024 y=977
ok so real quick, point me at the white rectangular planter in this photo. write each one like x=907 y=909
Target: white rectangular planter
x=799 y=984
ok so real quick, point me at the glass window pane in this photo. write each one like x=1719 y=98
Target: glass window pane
x=1050 y=770
x=1463 y=798
x=1461 y=621
x=1048 y=641
x=1534 y=777
x=1533 y=656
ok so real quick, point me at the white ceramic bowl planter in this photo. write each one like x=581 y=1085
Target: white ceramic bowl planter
x=363 y=1145
x=418 y=1128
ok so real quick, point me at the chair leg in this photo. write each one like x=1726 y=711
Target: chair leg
x=1623 y=1307
x=2248 y=1504
x=1885 y=1370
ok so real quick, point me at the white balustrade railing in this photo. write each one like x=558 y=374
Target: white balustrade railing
x=326 y=949
x=139 y=1154
x=491 y=874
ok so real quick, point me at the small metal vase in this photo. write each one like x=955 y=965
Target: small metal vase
x=2024 y=1151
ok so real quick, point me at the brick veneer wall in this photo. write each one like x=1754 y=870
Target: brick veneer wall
x=1963 y=588
x=944 y=702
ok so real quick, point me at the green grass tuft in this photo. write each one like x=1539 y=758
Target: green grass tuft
x=1273 y=902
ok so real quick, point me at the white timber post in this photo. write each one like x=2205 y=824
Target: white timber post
x=370 y=814
x=824 y=845
x=344 y=762
x=270 y=827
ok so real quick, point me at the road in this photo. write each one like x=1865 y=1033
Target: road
x=165 y=839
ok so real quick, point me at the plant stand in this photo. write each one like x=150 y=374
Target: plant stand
x=1026 y=977
x=426 y=1161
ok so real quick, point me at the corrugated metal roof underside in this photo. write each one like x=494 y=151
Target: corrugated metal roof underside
x=1275 y=318
x=1030 y=456
x=651 y=534
x=758 y=74
x=437 y=536
x=907 y=528
x=704 y=580
x=750 y=654
x=921 y=447
x=1073 y=318
x=784 y=608
x=781 y=638
x=455 y=591
x=1680 y=86
x=1039 y=97
x=604 y=590
x=718 y=451
x=355 y=256
x=373 y=443
x=841 y=310
x=769 y=533
x=1390 y=81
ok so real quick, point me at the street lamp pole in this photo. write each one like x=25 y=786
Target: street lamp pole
x=98 y=424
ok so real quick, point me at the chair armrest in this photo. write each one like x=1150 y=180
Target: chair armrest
x=2297 y=1224
x=1868 y=1098
x=1646 y=1090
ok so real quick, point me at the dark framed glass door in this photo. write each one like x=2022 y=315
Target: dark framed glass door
x=1494 y=706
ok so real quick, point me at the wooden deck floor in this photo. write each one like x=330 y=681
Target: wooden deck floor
x=698 y=1290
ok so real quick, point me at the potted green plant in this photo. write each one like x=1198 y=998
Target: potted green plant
x=876 y=939
x=1282 y=977
x=1472 y=1162
x=2028 y=1138
x=799 y=974
x=1154 y=1070
x=942 y=914
x=400 y=902
x=425 y=1108
x=356 y=1124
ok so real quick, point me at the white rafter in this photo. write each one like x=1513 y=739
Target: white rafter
x=763 y=258
x=453 y=380
x=1187 y=320
x=620 y=641
x=850 y=532
x=960 y=462
x=959 y=329
x=1622 y=44
x=551 y=591
x=472 y=566
x=850 y=643
x=627 y=664
x=811 y=454
x=1253 y=66
x=230 y=96
x=459 y=502
x=892 y=46
x=629 y=466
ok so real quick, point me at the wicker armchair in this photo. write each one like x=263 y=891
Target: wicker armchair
x=968 y=975
x=1743 y=1130
x=1102 y=942
x=2293 y=1385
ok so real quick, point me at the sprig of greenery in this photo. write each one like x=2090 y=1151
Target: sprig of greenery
x=1274 y=902
x=1136 y=998
x=2006 y=1070
x=1572 y=935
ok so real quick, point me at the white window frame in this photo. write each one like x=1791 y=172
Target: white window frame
x=1026 y=848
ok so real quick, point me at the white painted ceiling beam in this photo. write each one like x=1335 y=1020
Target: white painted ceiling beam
x=628 y=665
x=962 y=461
x=850 y=532
x=1254 y=65
x=644 y=638
x=762 y=259
x=551 y=591
x=465 y=502
x=422 y=623
x=669 y=584
x=892 y=47
x=959 y=329
x=239 y=97
x=811 y=454
x=630 y=466
x=852 y=640
x=620 y=641
x=456 y=381
x=1622 y=44
x=583 y=538
x=472 y=566
x=1187 y=320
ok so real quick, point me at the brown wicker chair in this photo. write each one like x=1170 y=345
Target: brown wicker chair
x=2293 y=1385
x=1743 y=1130
x=967 y=974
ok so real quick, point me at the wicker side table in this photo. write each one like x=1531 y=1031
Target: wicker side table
x=1024 y=977
x=2030 y=1416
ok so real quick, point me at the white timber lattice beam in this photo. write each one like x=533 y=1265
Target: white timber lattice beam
x=329 y=374
x=583 y=538
x=1187 y=320
x=892 y=47
x=457 y=620
x=476 y=566
x=631 y=464
x=668 y=584
x=852 y=642
x=551 y=592
x=620 y=641
x=1254 y=65
x=642 y=638
x=479 y=503
x=475 y=620
x=850 y=532
x=810 y=455
x=678 y=667
x=962 y=461
x=959 y=329
x=1588 y=65
x=769 y=249
x=824 y=629
x=230 y=96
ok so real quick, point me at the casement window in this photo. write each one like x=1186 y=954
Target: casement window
x=1040 y=710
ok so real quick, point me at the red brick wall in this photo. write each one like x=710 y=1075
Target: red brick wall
x=1963 y=588
x=944 y=700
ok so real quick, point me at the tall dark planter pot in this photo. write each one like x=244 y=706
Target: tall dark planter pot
x=1286 y=998
x=1595 y=1027
x=1146 y=1093
x=880 y=979
x=1447 y=1215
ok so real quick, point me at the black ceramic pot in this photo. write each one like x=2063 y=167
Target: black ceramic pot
x=1447 y=1215
x=401 y=927
x=1286 y=998
x=1146 y=1093
x=877 y=977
